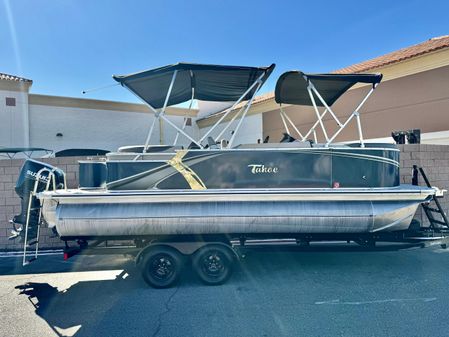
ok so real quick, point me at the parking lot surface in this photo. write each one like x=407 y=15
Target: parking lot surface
x=330 y=291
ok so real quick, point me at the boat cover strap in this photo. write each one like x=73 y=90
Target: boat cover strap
x=291 y=87
x=206 y=82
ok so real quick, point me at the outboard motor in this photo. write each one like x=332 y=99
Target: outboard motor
x=25 y=184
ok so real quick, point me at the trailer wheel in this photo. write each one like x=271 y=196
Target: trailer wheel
x=161 y=266
x=213 y=263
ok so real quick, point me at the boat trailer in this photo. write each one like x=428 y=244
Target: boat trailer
x=212 y=256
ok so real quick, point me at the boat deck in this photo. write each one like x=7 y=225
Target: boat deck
x=402 y=192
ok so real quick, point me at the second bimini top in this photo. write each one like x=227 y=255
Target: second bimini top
x=194 y=81
x=321 y=90
x=291 y=87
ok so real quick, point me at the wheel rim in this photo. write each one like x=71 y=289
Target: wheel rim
x=162 y=267
x=213 y=264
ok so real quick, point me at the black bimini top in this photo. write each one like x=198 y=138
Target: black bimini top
x=22 y=149
x=10 y=152
x=291 y=87
x=206 y=82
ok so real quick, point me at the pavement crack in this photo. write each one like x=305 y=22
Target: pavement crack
x=166 y=311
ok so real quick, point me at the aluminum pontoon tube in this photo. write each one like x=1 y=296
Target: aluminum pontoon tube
x=91 y=214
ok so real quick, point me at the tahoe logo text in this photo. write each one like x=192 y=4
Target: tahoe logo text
x=260 y=168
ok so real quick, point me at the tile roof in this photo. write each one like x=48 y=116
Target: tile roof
x=13 y=78
x=403 y=54
x=261 y=98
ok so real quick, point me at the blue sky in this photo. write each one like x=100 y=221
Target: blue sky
x=66 y=46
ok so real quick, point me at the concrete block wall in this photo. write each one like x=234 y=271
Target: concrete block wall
x=433 y=158
x=435 y=161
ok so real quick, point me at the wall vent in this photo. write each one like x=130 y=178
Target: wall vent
x=10 y=101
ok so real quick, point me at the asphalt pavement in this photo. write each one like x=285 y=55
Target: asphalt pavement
x=330 y=291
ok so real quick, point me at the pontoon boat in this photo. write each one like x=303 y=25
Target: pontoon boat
x=216 y=186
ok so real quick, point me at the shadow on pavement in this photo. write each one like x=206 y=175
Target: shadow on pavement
x=56 y=264
x=85 y=303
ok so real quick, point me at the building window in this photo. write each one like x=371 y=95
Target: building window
x=10 y=101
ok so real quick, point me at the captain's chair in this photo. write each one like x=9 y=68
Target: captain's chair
x=287 y=138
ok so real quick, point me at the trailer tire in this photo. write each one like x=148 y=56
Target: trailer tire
x=161 y=266
x=213 y=263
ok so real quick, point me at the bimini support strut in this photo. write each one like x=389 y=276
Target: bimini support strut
x=161 y=114
x=315 y=107
x=258 y=82
x=312 y=87
x=355 y=114
x=231 y=141
x=285 y=118
x=186 y=117
x=312 y=129
x=230 y=123
x=156 y=115
x=312 y=91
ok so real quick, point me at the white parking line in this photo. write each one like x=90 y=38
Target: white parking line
x=389 y=300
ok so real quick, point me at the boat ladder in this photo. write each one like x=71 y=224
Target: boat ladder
x=32 y=236
x=432 y=209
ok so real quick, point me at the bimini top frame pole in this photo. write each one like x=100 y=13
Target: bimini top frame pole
x=355 y=114
x=295 y=87
x=184 y=124
x=189 y=81
x=231 y=141
x=162 y=111
x=284 y=118
x=259 y=83
x=161 y=114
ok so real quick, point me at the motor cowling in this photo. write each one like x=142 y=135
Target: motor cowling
x=30 y=174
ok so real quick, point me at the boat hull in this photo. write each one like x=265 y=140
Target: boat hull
x=91 y=214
